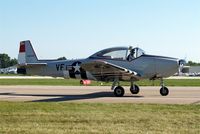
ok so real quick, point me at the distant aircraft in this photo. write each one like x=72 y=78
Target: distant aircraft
x=109 y=65
x=9 y=70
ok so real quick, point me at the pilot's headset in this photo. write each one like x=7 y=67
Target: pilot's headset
x=133 y=51
x=130 y=48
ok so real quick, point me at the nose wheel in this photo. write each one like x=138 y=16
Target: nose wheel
x=164 y=91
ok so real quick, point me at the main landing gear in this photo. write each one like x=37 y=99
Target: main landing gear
x=134 y=88
x=119 y=90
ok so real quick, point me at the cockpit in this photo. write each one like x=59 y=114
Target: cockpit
x=119 y=53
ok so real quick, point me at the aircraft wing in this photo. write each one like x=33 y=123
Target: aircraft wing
x=103 y=70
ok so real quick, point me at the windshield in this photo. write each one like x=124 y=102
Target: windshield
x=134 y=53
x=139 y=52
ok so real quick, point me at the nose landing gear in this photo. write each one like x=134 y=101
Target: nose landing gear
x=164 y=91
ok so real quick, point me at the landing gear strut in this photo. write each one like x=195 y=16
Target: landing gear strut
x=164 y=91
x=119 y=91
x=134 y=88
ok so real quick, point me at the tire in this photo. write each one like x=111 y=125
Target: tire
x=134 y=90
x=119 y=91
x=164 y=91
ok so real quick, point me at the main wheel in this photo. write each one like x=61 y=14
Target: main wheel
x=134 y=89
x=119 y=91
x=164 y=91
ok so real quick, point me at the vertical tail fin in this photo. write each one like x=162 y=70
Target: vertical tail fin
x=26 y=53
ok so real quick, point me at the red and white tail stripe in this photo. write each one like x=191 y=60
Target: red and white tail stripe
x=26 y=53
x=22 y=47
x=22 y=54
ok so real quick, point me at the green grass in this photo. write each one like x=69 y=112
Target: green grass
x=55 y=82
x=10 y=75
x=72 y=82
x=62 y=118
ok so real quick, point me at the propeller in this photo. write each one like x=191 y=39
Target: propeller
x=182 y=63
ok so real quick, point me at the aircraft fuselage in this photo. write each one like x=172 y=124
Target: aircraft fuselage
x=149 y=66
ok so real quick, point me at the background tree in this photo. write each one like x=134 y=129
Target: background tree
x=13 y=62
x=6 y=61
x=62 y=58
x=191 y=63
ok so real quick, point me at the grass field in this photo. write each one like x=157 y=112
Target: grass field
x=72 y=82
x=62 y=118
x=11 y=74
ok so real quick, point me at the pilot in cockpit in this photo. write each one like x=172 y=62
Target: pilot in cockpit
x=131 y=55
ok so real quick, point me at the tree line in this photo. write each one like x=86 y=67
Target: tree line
x=6 y=61
x=191 y=63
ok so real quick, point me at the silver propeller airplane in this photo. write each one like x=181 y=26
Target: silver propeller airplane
x=110 y=65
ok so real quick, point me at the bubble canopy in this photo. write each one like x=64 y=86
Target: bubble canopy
x=120 y=53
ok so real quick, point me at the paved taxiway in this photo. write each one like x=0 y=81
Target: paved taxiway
x=178 y=95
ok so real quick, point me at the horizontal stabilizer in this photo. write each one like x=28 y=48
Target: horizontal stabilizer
x=32 y=64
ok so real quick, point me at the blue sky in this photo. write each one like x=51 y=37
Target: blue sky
x=79 y=28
